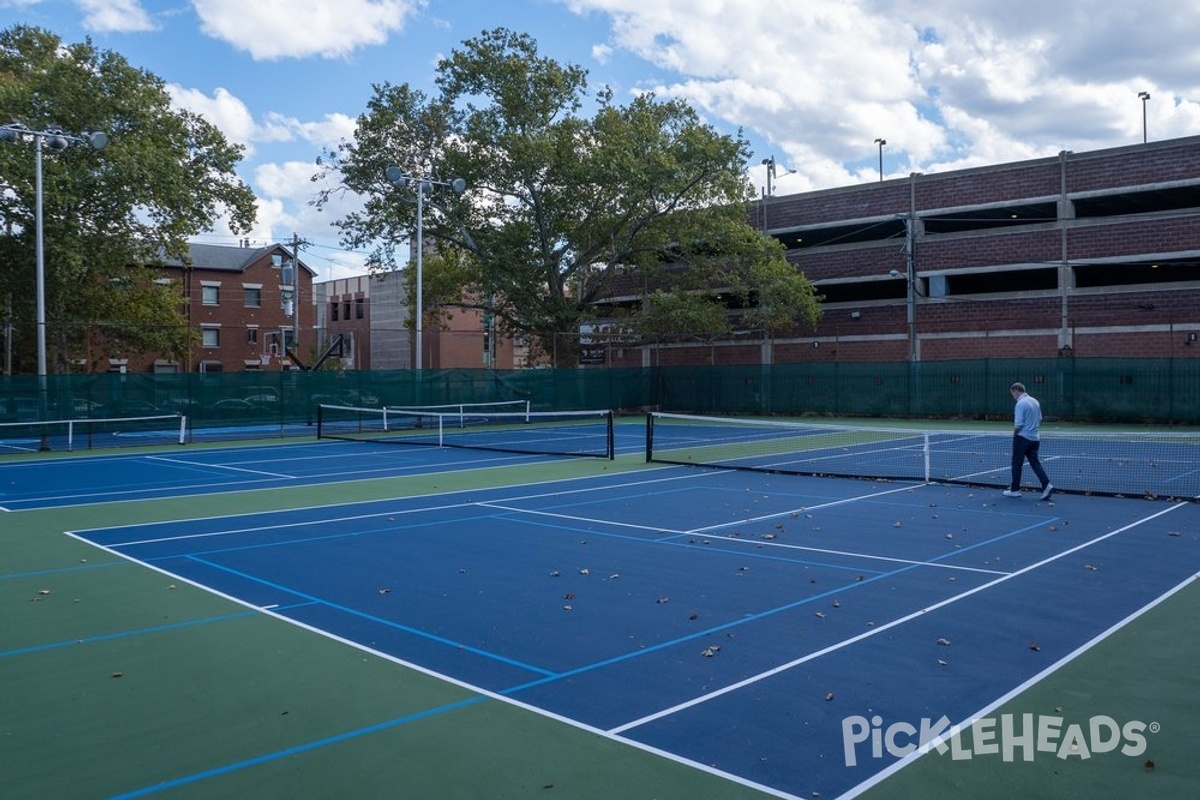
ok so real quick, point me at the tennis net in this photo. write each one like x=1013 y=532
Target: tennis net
x=1125 y=463
x=565 y=433
x=462 y=409
x=86 y=434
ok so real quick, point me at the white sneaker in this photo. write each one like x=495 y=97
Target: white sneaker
x=1011 y=493
x=1049 y=490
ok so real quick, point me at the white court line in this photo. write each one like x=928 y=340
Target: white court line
x=349 y=518
x=753 y=679
x=574 y=518
x=739 y=540
x=187 y=463
x=273 y=612
x=313 y=480
x=988 y=709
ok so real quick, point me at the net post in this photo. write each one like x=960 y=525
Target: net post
x=612 y=443
x=649 y=437
x=928 y=458
x=183 y=429
x=320 y=411
x=441 y=440
x=70 y=435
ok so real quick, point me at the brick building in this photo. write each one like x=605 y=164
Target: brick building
x=246 y=303
x=371 y=313
x=1091 y=254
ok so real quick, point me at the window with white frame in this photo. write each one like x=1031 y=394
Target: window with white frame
x=210 y=293
x=252 y=294
x=210 y=336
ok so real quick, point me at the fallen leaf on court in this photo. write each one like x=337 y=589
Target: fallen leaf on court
x=585 y=571
x=568 y=608
x=385 y=591
x=554 y=573
x=710 y=651
x=118 y=674
x=693 y=616
x=896 y=524
x=943 y=641
x=1174 y=533
x=614 y=576
x=837 y=603
x=1035 y=646
x=943 y=663
x=829 y=695
x=820 y=615
x=569 y=596
x=663 y=600
x=1090 y=567
x=1149 y=764
x=769 y=536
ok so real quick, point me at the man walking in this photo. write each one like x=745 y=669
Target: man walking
x=1027 y=419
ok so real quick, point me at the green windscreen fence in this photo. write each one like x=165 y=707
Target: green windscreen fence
x=285 y=403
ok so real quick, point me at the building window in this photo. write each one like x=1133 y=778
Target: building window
x=346 y=310
x=251 y=335
x=358 y=308
x=210 y=337
x=253 y=296
x=333 y=311
x=210 y=294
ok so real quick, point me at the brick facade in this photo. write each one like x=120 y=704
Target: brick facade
x=1089 y=254
x=236 y=300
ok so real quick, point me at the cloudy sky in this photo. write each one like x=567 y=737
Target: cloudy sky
x=812 y=83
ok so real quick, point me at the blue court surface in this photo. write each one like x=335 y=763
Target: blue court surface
x=727 y=619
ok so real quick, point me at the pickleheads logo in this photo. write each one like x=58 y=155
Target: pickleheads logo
x=1027 y=734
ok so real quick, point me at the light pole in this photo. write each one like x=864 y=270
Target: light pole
x=1143 y=96
x=881 y=143
x=399 y=178
x=911 y=288
x=57 y=140
x=769 y=163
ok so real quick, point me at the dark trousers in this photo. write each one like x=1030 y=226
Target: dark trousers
x=1025 y=449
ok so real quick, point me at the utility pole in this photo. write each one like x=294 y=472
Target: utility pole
x=295 y=292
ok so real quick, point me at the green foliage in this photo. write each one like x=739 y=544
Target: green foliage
x=164 y=177
x=560 y=211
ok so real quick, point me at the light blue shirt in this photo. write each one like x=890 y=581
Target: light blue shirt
x=1027 y=417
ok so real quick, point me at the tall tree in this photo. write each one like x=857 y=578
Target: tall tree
x=164 y=177
x=558 y=207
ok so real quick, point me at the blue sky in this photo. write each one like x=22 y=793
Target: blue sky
x=948 y=83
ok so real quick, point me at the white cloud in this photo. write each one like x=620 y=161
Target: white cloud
x=115 y=16
x=326 y=132
x=275 y=29
x=228 y=113
x=948 y=83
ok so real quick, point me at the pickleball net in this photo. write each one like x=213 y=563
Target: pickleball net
x=91 y=433
x=564 y=433
x=1123 y=463
x=475 y=408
